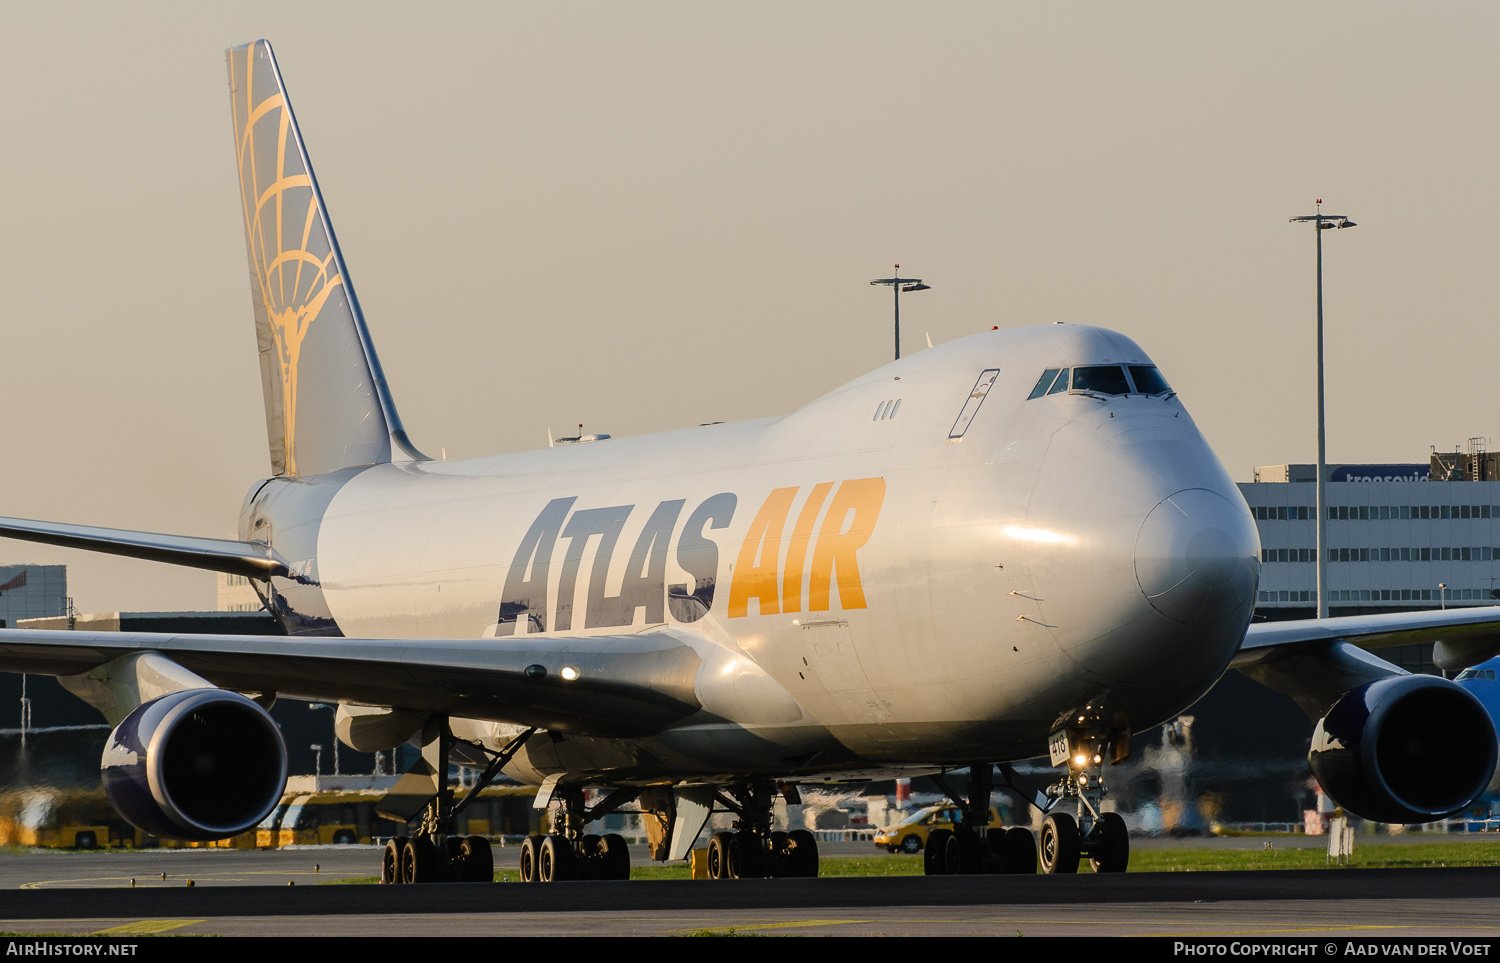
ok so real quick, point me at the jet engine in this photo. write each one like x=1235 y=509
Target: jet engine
x=198 y=764
x=1408 y=749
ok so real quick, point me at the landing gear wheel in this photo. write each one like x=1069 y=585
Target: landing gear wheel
x=965 y=855
x=1111 y=846
x=390 y=864
x=616 y=858
x=475 y=860
x=1018 y=851
x=590 y=857
x=994 y=845
x=935 y=859
x=780 y=855
x=419 y=861
x=802 y=850
x=557 y=860
x=721 y=855
x=911 y=845
x=531 y=859
x=748 y=858
x=1060 y=844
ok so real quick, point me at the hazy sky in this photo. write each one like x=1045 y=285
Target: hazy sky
x=649 y=215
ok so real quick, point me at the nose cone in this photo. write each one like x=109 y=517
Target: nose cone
x=1197 y=557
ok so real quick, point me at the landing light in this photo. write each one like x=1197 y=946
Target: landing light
x=569 y=673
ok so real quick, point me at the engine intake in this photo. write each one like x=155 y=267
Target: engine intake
x=199 y=764
x=1410 y=749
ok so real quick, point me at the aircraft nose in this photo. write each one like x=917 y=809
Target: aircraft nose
x=1197 y=557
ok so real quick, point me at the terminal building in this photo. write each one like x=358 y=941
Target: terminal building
x=32 y=592
x=1400 y=538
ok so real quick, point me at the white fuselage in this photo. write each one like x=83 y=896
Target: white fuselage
x=935 y=582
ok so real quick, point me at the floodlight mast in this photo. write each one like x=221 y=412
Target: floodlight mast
x=1322 y=222
x=912 y=284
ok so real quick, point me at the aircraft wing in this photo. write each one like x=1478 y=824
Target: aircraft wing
x=623 y=685
x=1464 y=637
x=1314 y=661
x=250 y=559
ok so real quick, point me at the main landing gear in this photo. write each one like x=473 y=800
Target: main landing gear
x=436 y=854
x=1098 y=835
x=973 y=846
x=753 y=850
x=572 y=854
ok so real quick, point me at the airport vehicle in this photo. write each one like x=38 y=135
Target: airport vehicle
x=334 y=816
x=1013 y=544
x=910 y=835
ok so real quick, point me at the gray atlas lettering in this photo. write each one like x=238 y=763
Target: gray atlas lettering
x=584 y=525
x=645 y=575
x=699 y=557
x=525 y=596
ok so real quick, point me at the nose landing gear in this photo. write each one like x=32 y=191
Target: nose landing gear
x=1100 y=836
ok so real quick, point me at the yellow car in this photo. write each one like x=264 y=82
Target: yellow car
x=910 y=834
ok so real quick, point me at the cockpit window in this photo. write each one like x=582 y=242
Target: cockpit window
x=1148 y=381
x=1043 y=383
x=1105 y=379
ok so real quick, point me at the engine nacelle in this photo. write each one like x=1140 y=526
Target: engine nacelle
x=1410 y=749
x=198 y=764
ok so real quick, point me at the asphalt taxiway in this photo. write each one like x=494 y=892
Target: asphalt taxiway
x=277 y=893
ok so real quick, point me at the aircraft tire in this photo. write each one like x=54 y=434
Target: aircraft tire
x=556 y=860
x=616 y=856
x=419 y=861
x=1018 y=851
x=1060 y=844
x=1111 y=853
x=475 y=860
x=779 y=857
x=390 y=863
x=747 y=860
x=531 y=854
x=590 y=857
x=994 y=848
x=935 y=859
x=965 y=853
x=720 y=855
x=802 y=847
x=911 y=844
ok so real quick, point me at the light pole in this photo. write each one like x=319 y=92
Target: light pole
x=896 y=282
x=1322 y=222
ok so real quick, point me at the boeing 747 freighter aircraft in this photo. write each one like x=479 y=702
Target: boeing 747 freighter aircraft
x=1011 y=545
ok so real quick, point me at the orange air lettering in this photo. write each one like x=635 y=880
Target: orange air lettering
x=755 y=572
x=796 y=552
x=836 y=546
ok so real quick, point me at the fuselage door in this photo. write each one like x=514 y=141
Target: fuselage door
x=976 y=398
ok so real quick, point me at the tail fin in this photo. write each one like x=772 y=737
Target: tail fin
x=327 y=402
